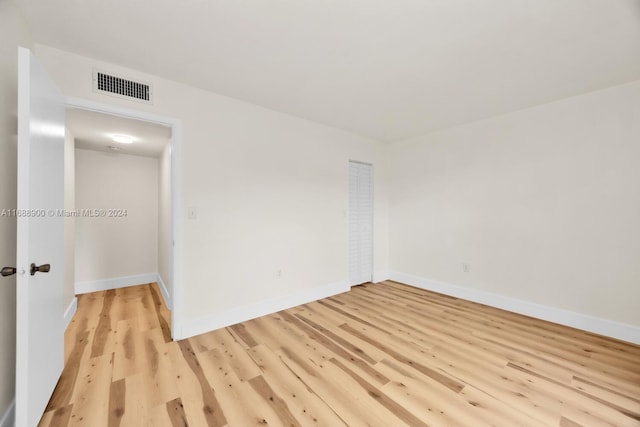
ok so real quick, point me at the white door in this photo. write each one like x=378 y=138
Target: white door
x=360 y=223
x=40 y=240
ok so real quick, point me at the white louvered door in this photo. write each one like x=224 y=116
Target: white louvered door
x=360 y=222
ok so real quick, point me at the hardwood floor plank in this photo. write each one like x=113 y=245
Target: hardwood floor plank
x=92 y=393
x=243 y=406
x=342 y=393
x=335 y=349
x=204 y=342
x=498 y=411
x=159 y=416
x=566 y=422
x=175 y=409
x=117 y=398
x=158 y=374
x=422 y=396
x=57 y=417
x=612 y=395
x=189 y=388
x=104 y=325
x=278 y=404
x=158 y=306
x=128 y=349
x=241 y=332
x=382 y=398
x=67 y=382
x=237 y=358
x=439 y=377
x=338 y=339
x=584 y=418
x=305 y=405
x=61 y=416
x=326 y=303
x=332 y=321
x=210 y=406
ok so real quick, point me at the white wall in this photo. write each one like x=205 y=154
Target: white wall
x=108 y=248
x=14 y=34
x=69 y=222
x=164 y=217
x=271 y=192
x=542 y=203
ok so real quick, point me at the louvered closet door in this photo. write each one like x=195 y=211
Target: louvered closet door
x=360 y=222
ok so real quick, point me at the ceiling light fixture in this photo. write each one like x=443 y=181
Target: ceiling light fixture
x=122 y=139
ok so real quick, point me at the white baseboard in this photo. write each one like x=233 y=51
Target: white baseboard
x=70 y=311
x=381 y=276
x=115 y=283
x=610 y=328
x=8 y=419
x=262 y=308
x=164 y=292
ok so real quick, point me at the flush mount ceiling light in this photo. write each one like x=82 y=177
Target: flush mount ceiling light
x=122 y=139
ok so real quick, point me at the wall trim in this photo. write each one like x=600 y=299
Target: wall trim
x=251 y=311
x=115 y=283
x=8 y=419
x=164 y=291
x=585 y=322
x=70 y=311
x=381 y=276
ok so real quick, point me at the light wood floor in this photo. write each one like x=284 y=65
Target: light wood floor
x=380 y=355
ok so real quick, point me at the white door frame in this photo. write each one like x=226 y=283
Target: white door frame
x=175 y=254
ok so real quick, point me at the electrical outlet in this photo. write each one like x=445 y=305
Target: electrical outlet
x=279 y=274
x=466 y=267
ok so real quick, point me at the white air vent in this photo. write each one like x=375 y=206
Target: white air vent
x=118 y=86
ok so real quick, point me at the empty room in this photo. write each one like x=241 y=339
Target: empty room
x=358 y=213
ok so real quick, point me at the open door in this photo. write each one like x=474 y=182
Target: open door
x=40 y=240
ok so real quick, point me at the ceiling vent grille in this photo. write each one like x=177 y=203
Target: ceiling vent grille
x=121 y=87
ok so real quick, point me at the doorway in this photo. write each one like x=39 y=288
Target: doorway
x=168 y=166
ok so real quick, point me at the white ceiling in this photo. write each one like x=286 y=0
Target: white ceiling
x=94 y=131
x=389 y=69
